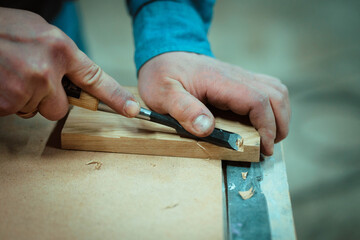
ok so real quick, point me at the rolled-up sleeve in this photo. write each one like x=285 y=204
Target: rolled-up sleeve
x=167 y=26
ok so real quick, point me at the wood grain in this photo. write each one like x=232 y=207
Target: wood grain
x=86 y=101
x=100 y=131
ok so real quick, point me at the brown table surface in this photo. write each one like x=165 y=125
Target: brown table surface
x=50 y=193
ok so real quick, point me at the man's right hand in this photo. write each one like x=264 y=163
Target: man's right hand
x=34 y=56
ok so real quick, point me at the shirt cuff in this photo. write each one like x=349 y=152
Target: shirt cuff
x=161 y=27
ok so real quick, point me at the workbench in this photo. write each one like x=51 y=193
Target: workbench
x=49 y=193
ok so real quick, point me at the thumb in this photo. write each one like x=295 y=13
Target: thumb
x=191 y=113
x=90 y=77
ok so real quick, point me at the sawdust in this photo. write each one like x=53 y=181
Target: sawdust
x=247 y=194
x=244 y=175
x=97 y=164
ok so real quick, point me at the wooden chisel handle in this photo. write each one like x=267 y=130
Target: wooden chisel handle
x=77 y=97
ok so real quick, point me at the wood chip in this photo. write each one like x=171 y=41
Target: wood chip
x=172 y=206
x=244 y=175
x=247 y=194
x=240 y=144
x=97 y=166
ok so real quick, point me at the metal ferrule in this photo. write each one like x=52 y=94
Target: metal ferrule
x=105 y=108
x=144 y=114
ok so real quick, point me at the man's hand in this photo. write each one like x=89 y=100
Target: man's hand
x=180 y=83
x=34 y=56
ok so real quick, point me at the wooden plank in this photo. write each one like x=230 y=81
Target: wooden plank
x=100 y=131
x=50 y=193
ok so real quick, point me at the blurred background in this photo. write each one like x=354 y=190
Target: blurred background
x=314 y=48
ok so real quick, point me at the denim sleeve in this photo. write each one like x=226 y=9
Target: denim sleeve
x=165 y=26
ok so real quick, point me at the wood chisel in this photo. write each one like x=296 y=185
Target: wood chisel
x=78 y=97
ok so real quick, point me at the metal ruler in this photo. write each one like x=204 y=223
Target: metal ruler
x=247 y=219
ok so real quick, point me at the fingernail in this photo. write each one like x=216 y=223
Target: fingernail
x=132 y=108
x=202 y=123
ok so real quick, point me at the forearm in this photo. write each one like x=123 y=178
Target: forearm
x=167 y=26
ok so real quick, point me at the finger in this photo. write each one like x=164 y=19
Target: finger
x=30 y=109
x=28 y=114
x=192 y=114
x=279 y=102
x=10 y=105
x=30 y=106
x=279 y=86
x=244 y=99
x=87 y=75
x=262 y=117
x=281 y=111
x=33 y=103
x=55 y=105
x=13 y=97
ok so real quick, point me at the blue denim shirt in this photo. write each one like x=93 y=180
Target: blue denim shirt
x=162 y=26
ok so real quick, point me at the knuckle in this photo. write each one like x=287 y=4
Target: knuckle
x=92 y=77
x=56 y=40
x=53 y=34
x=185 y=109
x=170 y=89
x=42 y=73
x=114 y=95
x=278 y=99
x=284 y=90
x=183 y=106
x=19 y=91
x=261 y=100
x=168 y=85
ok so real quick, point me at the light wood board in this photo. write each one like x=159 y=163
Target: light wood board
x=50 y=193
x=100 y=131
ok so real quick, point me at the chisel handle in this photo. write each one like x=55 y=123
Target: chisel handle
x=79 y=98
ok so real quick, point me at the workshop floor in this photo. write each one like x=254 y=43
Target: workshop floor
x=313 y=46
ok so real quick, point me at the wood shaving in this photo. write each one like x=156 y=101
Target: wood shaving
x=244 y=175
x=247 y=194
x=240 y=144
x=171 y=206
x=97 y=166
